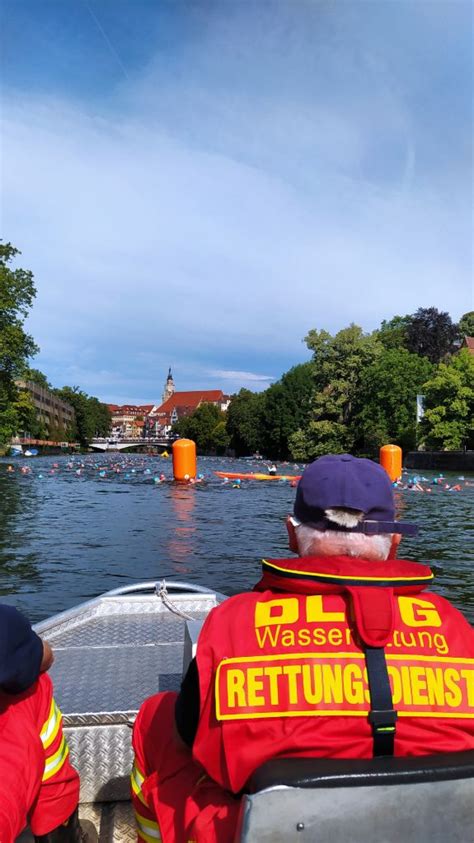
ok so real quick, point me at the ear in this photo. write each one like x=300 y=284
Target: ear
x=396 y=539
x=292 y=543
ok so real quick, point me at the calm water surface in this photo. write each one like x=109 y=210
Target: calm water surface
x=67 y=533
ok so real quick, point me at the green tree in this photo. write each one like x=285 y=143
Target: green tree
x=83 y=430
x=206 y=426
x=338 y=365
x=92 y=417
x=27 y=421
x=37 y=377
x=244 y=422
x=448 y=423
x=385 y=406
x=393 y=332
x=432 y=333
x=286 y=408
x=17 y=292
x=100 y=416
x=466 y=324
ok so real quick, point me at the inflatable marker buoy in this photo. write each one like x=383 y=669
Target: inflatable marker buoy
x=391 y=460
x=184 y=459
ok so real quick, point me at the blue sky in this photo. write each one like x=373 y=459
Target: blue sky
x=198 y=184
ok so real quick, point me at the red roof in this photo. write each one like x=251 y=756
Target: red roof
x=183 y=410
x=131 y=409
x=469 y=344
x=192 y=399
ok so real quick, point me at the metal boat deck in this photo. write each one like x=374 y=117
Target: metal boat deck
x=110 y=654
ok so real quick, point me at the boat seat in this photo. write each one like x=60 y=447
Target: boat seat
x=326 y=800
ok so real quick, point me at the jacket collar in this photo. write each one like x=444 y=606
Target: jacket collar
x=313 y=575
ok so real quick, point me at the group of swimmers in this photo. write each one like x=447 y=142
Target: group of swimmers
x=415 y=483
x=131 y=468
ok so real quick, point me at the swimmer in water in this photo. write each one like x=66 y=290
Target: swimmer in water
x=272 y=469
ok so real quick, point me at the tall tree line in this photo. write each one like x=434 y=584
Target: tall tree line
x=359 y=391
x=17 y=347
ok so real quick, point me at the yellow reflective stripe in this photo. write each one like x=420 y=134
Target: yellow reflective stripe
x=55 y=762
x=418 y=578
x=148 y=838
x=45 y=724
x=52 y=725
x=136 y=781
x=148 y=829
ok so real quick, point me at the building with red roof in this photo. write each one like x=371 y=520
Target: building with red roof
x=180 y=404
x=128 y=419
x=133 y=420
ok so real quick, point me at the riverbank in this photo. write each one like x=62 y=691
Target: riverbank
x=440 y=460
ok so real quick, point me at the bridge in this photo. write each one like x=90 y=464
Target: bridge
x=109 y=444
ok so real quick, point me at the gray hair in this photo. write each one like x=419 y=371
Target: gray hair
x=312 y=542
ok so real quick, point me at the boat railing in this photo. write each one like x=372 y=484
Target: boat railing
x=161 y=589
x=153 y=586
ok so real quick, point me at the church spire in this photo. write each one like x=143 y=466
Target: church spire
x=169 y=386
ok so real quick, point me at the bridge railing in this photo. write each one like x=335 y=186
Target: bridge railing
x=150 y=440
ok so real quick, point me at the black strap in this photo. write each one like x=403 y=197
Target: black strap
x=382 y=715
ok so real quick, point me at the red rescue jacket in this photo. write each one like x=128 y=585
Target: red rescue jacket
x=282 y=669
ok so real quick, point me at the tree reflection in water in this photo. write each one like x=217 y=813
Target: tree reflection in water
x=18 y=563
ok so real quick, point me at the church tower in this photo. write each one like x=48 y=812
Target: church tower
x=169 y=387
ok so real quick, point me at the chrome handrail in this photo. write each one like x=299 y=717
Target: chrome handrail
x=154 y=585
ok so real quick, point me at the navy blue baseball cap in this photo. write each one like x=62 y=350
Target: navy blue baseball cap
x=341 y=480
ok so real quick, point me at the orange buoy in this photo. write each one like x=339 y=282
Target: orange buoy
x=391 y=461
x=184 y=459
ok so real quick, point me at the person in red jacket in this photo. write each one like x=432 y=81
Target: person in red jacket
x=38 y=785
x=338 y=653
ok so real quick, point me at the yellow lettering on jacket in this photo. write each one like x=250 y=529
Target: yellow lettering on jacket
x=353 y=685
x=468 y=676
x=315 y=612
x=255 y=686
x=417 y=612
x=275 y=636
x=235 y=688
x=284 y=610
x=292 y=671
x=273 y=673
x=435 y=685
x=277 y=625
x=314 y=684
x=453 y=696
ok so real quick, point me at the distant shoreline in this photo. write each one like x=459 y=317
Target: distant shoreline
x=443 y=460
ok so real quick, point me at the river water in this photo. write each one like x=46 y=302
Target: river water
x=71 y=528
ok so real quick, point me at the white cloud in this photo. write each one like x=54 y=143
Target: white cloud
x=227 y=374
x=208 y=220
